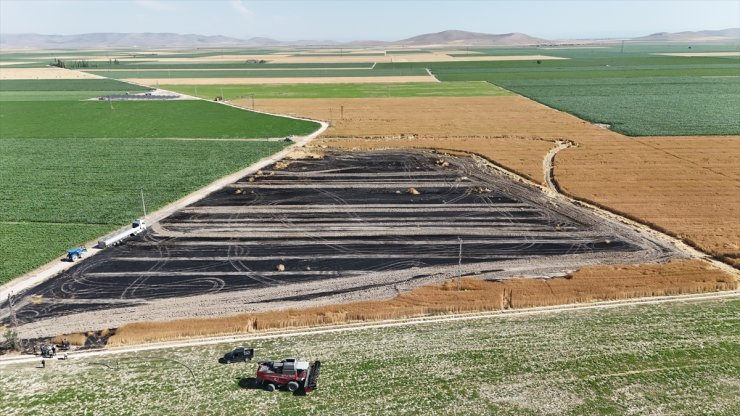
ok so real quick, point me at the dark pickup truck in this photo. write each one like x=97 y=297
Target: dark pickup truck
x=237 y=355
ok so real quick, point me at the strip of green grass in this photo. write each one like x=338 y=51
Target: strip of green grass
x=124 y=66
x=53 y=95
x=678 y=359
x=298 y=73
x=61 y=193
x=68 y=85
x=63 y=89
x=197 y=119
x=420 y=89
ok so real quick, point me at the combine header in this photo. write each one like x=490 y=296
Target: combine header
x=296 y=376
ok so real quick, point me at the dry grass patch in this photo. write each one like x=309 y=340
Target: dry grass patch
x=73 y=339
x=587 y=285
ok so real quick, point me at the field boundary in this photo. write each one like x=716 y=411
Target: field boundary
x=361 y=326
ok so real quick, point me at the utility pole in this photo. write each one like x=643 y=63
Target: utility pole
x=341 y=112
x=143 y=206
x=13 y=320
x=459 y=264
x=622 y=50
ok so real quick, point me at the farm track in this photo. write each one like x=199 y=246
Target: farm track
x=368 y=238
x=11 y=360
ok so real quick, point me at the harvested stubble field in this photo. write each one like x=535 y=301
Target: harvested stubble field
x=346 y=227
x=691 y=193
x=674 y=358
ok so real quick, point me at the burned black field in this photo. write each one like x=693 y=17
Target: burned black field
x=348 y=226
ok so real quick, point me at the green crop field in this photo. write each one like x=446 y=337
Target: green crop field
x=197 y=119
x=681 y=358
x=63 y=89
x=127 y=66
x=61 y=193
x=417 y=89
x=288 y=73
x=644 y=106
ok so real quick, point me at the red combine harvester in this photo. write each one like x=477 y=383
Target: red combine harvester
x=296 y=376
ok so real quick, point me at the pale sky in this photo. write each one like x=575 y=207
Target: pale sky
x=362 y=20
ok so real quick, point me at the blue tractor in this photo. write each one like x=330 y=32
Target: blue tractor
x=75 y=253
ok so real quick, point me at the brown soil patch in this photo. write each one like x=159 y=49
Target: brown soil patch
x=43 y=73
x=470 y=295
x=276 y=80
x=686 y=186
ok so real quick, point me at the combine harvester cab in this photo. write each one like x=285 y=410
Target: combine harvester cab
x=114 y=239
x=295 y=376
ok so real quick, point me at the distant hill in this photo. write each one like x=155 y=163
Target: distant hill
x=452 y=38
x=461 y=37
x=173 y=40
x=700 y=36
x=114 y=40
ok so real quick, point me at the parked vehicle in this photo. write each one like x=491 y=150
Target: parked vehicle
x=239 y=354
